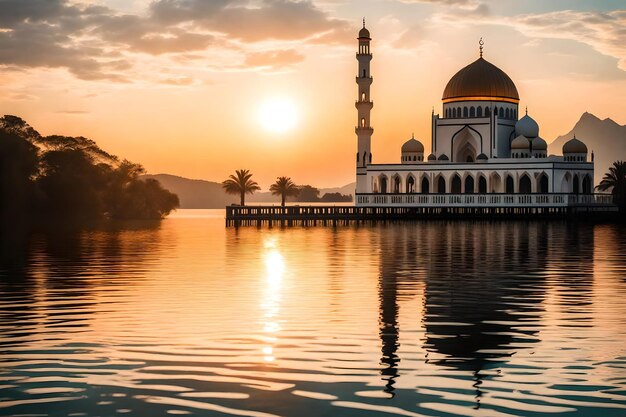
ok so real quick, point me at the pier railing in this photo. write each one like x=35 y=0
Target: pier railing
x=484 y=200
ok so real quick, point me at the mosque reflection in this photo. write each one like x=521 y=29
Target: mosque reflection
x=484 y=289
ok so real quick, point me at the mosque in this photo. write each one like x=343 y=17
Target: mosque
x=482 y=154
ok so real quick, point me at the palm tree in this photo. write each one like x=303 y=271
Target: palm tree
x=241 y=184
x=615 y=180
x=285 y=188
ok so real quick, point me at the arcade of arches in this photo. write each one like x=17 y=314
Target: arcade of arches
x=481 y=183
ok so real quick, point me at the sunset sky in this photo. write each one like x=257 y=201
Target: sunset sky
x=188 y=87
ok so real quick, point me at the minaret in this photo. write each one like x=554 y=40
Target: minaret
x=364 y=107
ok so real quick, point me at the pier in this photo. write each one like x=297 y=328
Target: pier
x=382 y=207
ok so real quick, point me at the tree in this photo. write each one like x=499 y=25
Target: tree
x=284 y=187
x=615 y=180
x=308 y=193
x=241 y=183
x=19 y=164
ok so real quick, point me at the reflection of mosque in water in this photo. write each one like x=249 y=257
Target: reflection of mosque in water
x=484 y=289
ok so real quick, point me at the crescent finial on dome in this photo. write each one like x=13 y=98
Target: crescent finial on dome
x=481 y=43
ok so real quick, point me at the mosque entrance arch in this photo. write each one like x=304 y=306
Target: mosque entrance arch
x=509 y=185
x=455 y=187
x=482 y=185
x=441 y=185
x=525 y=186
x=425 y=185
x=465 y=145
x=410 y=184
x=383 y=184
x=469 y=185
x=496 y=183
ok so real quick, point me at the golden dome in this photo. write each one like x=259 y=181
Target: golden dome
x=480 y=80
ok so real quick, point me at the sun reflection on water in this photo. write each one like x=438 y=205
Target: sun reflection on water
x=274 y=273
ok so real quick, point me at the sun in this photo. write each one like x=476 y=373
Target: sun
x=278 y=115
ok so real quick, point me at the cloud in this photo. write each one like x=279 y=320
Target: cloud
x=177 y=81
x=603 y=31
x=273 y=59
x=100 y=43
x=73 y=112
x=475 y=6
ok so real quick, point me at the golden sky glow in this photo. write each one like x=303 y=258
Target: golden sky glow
x=179 y=85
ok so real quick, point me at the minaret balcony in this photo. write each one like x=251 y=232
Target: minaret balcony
x=363 y=129
x=364 y=80
x=364 y=104
x=370 y=56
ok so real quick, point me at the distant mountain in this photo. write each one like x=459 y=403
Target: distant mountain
x=201 y=194
x=606 y=138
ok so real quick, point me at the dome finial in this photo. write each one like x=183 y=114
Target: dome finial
x=413 y=135
x=526 y=110
x=481 y=43
x=363 y=22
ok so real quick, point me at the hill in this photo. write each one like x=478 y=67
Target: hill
x=201 y=194
x=606 y=138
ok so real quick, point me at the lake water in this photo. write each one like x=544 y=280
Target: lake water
x=404 y=319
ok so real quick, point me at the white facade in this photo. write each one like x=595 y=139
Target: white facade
x=479 y=146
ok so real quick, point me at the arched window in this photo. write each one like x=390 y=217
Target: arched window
x=458 y=112
x=576 y=187
x=482 y=185
x=410 y=185
x=363 y=96
x=487 y=111
x=469 y=185
x=501 y=113
x=479 y=112
x=495 y=111
x=365 y=158
x=414 y=158
x=396 y=184
x=465 y=114
x=515 y=114
x=425 y=186
x=524 y=185
x=357 y=157
x=455 y=187
x=364 y=74
x=370 y=157
x=509 y=185
x=506 y=114
x=363 y=122
x=441 y=185
x=472 y=112
x=383 y=184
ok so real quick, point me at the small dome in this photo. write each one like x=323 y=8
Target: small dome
x=443 y=157
x=574 y=146
x=432 y=157
x=526 y=126
x=539 y=144
x=481 y=157
x=364 y=33
x=413 y=145
x=520 y=142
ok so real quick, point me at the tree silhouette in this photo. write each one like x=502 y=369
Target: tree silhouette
x=615 y=180
x=241 y=183
x=71 y=179
x=284 y=187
